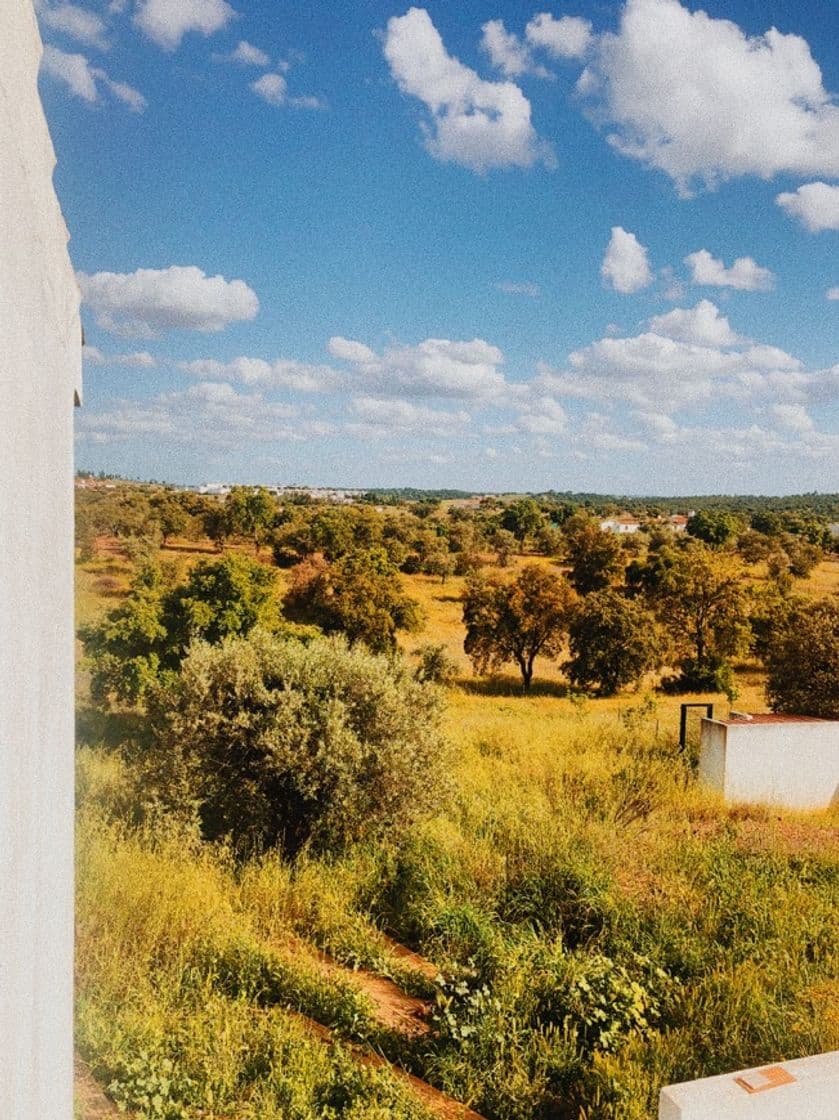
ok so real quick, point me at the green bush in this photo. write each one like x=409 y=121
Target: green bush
x=284 y=744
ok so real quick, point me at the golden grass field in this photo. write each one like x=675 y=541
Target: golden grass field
x=202 y=995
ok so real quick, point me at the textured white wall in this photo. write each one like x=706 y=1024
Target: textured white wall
x=40 y=367
x=791 y=764
x=811 y=1093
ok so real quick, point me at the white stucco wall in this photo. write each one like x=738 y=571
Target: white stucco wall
x=787 y=763
x=805 y=1089
x=40 y=367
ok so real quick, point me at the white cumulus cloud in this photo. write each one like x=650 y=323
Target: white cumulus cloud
x=745 y=274
x=282 y=373
x=78 y=23
x=436 y=367
x=626 y=267
x=249 y=55
x=166 y=22
x=478 y=124
x=816 y=205
x=142 y=303
x=377 y=417
x=82 y=79
x=507 y=52
x=272 y=88
x=567 y=37
x=832 y=293
x=208 y=414
x=702 y=325
x=73 y=70
x=702 y=101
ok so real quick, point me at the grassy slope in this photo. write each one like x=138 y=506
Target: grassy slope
x=575 y=836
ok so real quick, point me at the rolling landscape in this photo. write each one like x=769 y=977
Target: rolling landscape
x=547 y=917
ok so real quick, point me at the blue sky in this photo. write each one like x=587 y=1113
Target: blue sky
x=486 y=245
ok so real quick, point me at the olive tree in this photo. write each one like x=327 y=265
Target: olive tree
x=277 y=743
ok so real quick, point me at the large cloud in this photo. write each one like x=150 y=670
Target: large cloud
x=699 y=99
x=436 y=367
x=626 y=267
x=701 y=325
x=684 y=358
x=142 y=303
x=376 y=417
x=283 y=373
x=166 y=22
x=816 y=205
x=478 y=124
x=745 y=274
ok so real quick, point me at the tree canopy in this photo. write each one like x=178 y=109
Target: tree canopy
x=802 y=659
x=594 y=555
x=153 y=628
x=280 y=743
x=700 y=599
x=613 y=642
x=515 y=620
x=359 y=595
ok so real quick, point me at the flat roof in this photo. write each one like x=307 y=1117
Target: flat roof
x=769 y=717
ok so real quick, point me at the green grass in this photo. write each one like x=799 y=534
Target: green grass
x=603 y=925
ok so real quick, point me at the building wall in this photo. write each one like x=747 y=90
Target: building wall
x=40 y=368
x=803 y=1089
x=795 y=765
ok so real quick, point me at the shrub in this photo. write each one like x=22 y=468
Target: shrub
x=281 y=743
x=435 y=665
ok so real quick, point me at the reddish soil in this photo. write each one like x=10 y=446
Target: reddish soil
x=391 y=1006
x=411 y=959
x=447 y=1108
x=90 y=1100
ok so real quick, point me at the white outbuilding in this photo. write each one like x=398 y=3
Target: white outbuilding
x=784 y=760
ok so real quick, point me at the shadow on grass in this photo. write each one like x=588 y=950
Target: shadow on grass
x=111 y=730
x=509 y=685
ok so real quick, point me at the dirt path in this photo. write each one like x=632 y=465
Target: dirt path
x=90 y=1100
x=411 y=959
x=437 y=1102
x=392 y=1007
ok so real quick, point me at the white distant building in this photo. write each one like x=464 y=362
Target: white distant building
x=621 y=525
x=791 y=761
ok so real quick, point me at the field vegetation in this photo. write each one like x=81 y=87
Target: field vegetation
x=326 y=870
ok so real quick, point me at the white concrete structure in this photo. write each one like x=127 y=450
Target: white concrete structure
x=621 y=525
x=805 y=1089
x=790 y=761
x=40 y=369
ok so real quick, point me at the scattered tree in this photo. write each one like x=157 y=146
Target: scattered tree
x=516 y=620
x=594 y=555
x=802 y=659
x=715 y=527
x=701 y=601
x=153 y=628
x=359 y=595
x=523 y=518
x=613 y=642
x=250 y=512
